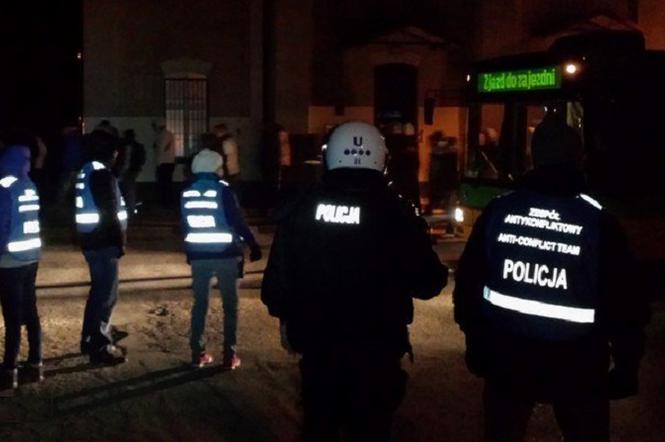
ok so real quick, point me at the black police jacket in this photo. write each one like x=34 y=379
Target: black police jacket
x=347 y=259
x=545 y=289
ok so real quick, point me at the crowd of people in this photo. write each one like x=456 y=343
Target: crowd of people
x=98 y=175
x=539 y=288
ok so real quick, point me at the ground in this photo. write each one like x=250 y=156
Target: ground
x=156 y=396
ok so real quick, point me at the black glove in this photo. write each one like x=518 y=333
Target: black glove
x=255 y=253
x=622 y=384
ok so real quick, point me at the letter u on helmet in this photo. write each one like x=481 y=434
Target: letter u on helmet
x=356 y=145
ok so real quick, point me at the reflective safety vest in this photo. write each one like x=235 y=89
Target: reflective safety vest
x=543 y=257
x=87 y=212
x=205 y=224
x=24 y=243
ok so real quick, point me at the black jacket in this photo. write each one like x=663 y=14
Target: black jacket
x=335 y=279
x=548 y=367
x=131 y=154
x=109 y=233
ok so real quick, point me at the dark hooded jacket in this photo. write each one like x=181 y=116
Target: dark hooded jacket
x=14 y=161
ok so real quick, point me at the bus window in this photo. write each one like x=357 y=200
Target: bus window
x=534 y=116
x=483 y=158
x=501 y=148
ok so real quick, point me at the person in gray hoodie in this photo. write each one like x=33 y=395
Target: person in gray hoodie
x=20 y=250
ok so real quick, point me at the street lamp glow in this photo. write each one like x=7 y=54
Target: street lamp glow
x=571 y=68
x=468 y=77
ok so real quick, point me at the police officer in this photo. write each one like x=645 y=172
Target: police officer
x=20 y=250
x=544 y=296
x=101 y=222
x=214 y=228
x=346 y=261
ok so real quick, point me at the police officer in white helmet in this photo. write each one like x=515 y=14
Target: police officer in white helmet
x=347 y=259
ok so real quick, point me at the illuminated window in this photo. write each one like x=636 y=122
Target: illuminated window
x=186 y=112
x=501 y=135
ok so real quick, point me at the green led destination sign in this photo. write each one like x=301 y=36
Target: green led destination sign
x=520 y=81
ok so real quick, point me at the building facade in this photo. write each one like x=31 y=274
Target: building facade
x=309 y=64
x=194 y=63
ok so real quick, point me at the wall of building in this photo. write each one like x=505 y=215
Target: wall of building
x=651 y=19
x=126 y=43
x=293 y=63
x=513 y=26
x=321 y=118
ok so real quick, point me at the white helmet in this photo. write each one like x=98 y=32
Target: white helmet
x=356 y=145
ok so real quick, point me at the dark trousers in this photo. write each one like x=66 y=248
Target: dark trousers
x=103 y=266
x=19 y=306
x=165 y=182
x=355 y=389
x=128 y=187
x=582 y=418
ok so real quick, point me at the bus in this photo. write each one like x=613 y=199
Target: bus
x=611 y=90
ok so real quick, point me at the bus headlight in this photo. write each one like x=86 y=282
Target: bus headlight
x=458 y=215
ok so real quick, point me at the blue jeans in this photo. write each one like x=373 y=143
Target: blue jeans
x=226 y=271
x=103 y=265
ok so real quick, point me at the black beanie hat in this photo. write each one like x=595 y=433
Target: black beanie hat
x=555 y=143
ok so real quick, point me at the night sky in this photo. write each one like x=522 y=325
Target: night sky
x=41 y=77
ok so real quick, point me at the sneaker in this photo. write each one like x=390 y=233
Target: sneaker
x=9 y=379
x=110 y=356
x=201 y=360
x=231 y=361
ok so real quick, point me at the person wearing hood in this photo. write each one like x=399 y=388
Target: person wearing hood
x=20 y=250
x=545 y=296
x=214 y=230
x=101 y=222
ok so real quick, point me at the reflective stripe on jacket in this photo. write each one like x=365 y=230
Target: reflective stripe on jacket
x=203 y=217
x=24 y=242
x=543 y=275
x=87 y=212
